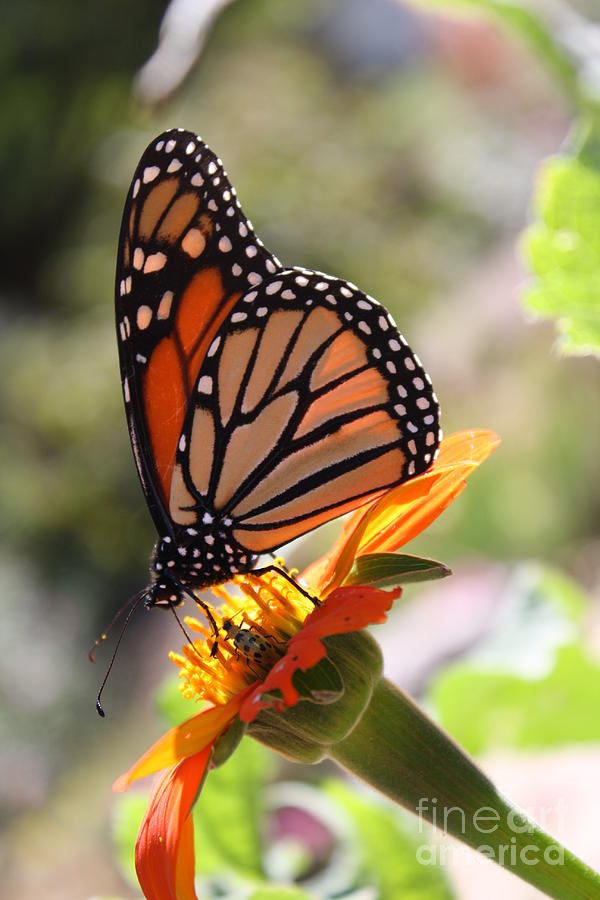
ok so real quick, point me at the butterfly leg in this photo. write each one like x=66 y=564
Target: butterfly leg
x=272 y=568
x=207 y=612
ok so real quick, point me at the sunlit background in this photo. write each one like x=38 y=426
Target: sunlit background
x=394 y=146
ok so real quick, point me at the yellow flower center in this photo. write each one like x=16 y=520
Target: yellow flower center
x=254 y=629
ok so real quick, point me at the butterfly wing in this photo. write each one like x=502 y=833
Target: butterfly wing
x=186 y=255
x=307 y=404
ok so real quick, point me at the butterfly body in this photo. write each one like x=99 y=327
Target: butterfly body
x=262 y=401
x=197 y=558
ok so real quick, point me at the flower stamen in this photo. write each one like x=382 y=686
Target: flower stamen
x=255 y=629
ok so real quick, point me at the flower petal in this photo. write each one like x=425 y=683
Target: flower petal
x=405 y=511
x=164 y=851
x=183 y=741
x=346 y=609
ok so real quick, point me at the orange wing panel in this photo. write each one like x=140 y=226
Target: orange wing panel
x=173 y=369
x=164 y=405
x=202 y=310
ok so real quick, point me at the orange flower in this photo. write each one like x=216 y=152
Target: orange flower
x=287 y=634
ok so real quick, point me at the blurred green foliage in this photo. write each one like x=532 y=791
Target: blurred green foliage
x=544 y=30
x=506 y=710
x=279 y=893
x=66 y=72
x=564 y=252
x=533 y=683
x=388 y=845
x=562 y=248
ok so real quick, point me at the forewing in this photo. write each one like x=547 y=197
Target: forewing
x=186 y=255
x=308 y=404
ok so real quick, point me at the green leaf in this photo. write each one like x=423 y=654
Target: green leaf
x=563 y=250
x=389 y=849
x=392 y=569
x=506 y=710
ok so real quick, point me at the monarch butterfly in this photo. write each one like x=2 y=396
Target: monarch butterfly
x=261 y=400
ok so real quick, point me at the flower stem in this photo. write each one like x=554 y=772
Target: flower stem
x=397 y=749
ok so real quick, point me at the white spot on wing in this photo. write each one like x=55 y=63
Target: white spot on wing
x=164 y=307
x=150 y=173
x=144 y=317
x=193 y=243
x=155 y=263
x=205 y=385
x=214 y=346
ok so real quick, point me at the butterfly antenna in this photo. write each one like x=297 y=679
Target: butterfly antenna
x=112 y=623
x=187 y=636
x=133 y=604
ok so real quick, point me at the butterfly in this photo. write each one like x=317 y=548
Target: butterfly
x=262 y=401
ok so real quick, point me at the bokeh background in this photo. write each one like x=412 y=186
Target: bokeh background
x=396 y=146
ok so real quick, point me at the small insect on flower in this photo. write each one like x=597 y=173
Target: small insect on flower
x=257 y=648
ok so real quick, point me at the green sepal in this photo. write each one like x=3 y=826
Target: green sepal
x=306 y=732
x=388 y=570
x=228 y=742
x=322 y=684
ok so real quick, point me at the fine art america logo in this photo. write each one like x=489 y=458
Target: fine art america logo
x=513 y=848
